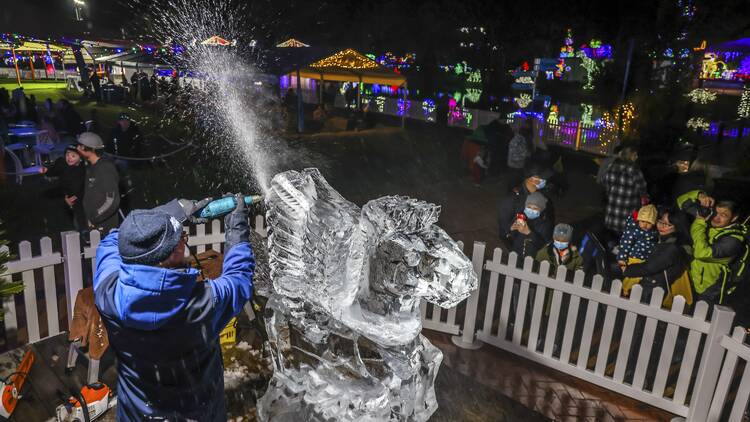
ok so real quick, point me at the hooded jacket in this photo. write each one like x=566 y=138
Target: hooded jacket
x=164 y=327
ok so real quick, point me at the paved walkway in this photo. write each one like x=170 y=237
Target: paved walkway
x=555 y=395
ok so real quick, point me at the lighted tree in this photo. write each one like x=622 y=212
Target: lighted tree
x=7 y=287
x=591 y=67
x=744 y=109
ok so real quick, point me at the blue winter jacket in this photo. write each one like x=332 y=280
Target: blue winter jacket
x=164 y=327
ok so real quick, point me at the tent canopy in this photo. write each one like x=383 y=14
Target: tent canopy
x=351 y=66
x=34 y=46
x=133 y=59
x=292 y=43
x=216 y=40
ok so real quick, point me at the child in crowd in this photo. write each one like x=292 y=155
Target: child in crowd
x=637 y=241
x=71 y=174
x=560 y=251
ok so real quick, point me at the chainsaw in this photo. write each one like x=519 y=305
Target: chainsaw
x=95 y=398
x=10 y=395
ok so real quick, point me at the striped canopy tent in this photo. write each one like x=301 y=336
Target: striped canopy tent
x=292 y=43
x=70 y=57
x=40 y=47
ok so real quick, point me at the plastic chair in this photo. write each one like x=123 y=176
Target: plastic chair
x=20 y=170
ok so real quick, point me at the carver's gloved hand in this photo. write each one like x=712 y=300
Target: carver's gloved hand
x=185 y=209
x=236 y=226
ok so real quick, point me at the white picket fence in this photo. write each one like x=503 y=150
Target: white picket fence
x=525 y=311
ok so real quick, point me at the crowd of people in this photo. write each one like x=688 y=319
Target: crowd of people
x=87 y=185
x=670 y=232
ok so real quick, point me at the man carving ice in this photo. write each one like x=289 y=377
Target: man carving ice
x=164 y=325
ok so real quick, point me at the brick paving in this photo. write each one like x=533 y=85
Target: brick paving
x=555 y=395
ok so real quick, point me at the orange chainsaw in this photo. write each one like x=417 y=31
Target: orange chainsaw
x=12 y=388
x=92 y=401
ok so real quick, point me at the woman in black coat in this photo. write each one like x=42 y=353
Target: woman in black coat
x=669 y=259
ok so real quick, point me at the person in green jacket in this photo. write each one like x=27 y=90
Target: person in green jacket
x=719 y=247
x=560 y=251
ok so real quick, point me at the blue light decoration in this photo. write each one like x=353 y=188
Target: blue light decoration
x=375 y=89
x=403 y=106
x=668 y=53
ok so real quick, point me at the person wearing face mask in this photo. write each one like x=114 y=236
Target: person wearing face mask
x=535 y=180
x=530 y=230
x=560 y=251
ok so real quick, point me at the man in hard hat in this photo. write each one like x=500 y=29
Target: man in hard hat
x=101 y=195
x=162 y=323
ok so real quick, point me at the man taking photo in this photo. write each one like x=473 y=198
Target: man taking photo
x=719 y=251
x=162 y=324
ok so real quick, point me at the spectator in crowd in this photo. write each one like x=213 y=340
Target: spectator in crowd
x=101 y=197
x=498 y=133
x=126 y=137
x=480 y=165
x=518 y=152
x=560 y=251
x=668 y=261
x=96 y=84
x=719 y=250
x=638 y=239
x=71 y=174
x=48 y=109
x=69 y=119
x=47 y=132
x=687 y=177
x=531 y=229
x=625 y=188
x=514 y=203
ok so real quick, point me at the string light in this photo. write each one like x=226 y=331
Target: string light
x=552 y=118
x=698 y=123
x=523 y=100
x=588 y=111
x=380 y=103
x=592 y=68
x=473 y=94
x=701 y=96
x=744 y=109
x=403 y=106
x=428 y=107
x=346 y=59
x=292 y=43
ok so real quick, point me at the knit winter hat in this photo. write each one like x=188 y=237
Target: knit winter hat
x=148 y=237
x=538 y=200
x=563 y=232
x=534 y=169
x=648 y=214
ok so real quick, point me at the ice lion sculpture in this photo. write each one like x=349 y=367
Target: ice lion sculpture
x=344 y=317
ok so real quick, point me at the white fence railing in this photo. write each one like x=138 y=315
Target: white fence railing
x=680 y=361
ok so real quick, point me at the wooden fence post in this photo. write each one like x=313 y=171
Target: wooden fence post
x=466 y=340
x=710 y=367
x=71 y=252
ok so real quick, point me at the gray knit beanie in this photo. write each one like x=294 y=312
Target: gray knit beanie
x=563 y=232
x=538 y=200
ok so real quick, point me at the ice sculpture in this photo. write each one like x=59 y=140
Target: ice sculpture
x=344 y=318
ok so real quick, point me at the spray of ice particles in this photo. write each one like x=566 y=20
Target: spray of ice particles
x=224 y=100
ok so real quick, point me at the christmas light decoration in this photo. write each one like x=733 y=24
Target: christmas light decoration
x=523 y=100
x=701 y=96
x=473 y=94
x=428 y=108
x=591 y=67
x=380 y=103
x=403 y=106
x=292 y=43
x=698 y=123
x=475 y=77
x=588 y=111
x=346 y=59
x=525 y=80
x=744 y=108
x=552 y=118
x=567 y=50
